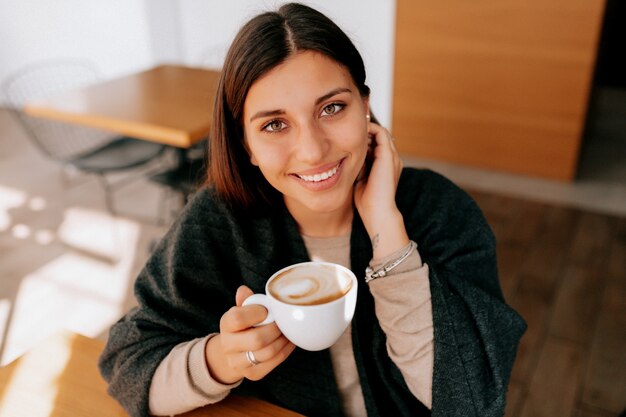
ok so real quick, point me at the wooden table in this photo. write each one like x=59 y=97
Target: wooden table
x=59 y=378
x=168 y=104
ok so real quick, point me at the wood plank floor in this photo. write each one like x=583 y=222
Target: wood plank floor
x=564 y=271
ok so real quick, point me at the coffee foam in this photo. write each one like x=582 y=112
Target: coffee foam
x=310 y=285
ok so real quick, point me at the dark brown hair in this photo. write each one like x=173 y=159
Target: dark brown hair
x=264 y=42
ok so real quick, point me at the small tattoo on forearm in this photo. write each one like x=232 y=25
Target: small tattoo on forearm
x=375 y=240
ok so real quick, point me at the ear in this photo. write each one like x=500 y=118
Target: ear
x=366 y=104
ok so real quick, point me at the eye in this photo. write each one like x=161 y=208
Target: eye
x=274 y=126
x=332 y=108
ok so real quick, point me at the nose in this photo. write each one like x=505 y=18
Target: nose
x=312 y=144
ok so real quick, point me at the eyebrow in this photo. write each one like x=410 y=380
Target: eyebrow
x=332 y=93
x=278 y=112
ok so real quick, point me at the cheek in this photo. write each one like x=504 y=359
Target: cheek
x=354 y=138
x=268 y=158
x=253 y=159
x=257 y=151
x=256 y=155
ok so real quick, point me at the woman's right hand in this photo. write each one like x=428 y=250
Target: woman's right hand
x=226 y=352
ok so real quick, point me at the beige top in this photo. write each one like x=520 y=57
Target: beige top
x=402 y=301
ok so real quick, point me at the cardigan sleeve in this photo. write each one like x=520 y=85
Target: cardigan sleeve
x=182 y=381
x=476 y=333
x=180 y=294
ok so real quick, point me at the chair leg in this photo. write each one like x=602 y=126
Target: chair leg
x=183 y=198
x=108 y=198
x=175 y=201
x=65 y=178
x=162 y=211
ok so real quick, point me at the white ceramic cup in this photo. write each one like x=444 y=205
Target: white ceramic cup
x=314 y=326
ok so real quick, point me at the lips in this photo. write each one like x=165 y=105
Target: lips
x=317 y=178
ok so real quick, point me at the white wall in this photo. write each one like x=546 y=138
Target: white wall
x=114 y=34
x=122 y=36
x=208 y=27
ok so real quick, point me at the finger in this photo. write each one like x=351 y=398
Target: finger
x=254 y=373
x=234 y=345
x=377 y=130
x=255 y=338
x=243 y=292
x=383 y=138
x=237 y=319
x=392 y=142
x=263 y=355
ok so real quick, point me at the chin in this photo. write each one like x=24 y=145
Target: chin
x=329 y=204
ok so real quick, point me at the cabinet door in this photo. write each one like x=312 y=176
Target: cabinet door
x=498 y=84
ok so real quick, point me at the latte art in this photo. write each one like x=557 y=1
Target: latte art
x=312 y=303
x=305 y=286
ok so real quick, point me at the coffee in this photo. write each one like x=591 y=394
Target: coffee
x=312 y=303
x=310 y=286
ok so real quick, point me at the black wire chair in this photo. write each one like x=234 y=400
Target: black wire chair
x=75 y=147
x=184 y=179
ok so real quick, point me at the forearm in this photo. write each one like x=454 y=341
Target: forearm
x=404 y=311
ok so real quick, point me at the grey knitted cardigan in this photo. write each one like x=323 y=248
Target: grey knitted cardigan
x=192 y=276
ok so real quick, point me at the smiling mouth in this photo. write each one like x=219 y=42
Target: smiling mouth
x=321 y=176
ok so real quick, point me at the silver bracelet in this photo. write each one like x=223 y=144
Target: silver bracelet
x=370 y=274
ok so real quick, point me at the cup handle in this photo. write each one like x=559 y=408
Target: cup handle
x=260 y=299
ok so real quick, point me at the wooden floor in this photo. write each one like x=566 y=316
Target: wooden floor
x=564 y=271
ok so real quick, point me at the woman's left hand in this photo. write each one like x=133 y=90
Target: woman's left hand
x=375 y=195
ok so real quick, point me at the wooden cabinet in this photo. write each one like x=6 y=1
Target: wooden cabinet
x=498 y=84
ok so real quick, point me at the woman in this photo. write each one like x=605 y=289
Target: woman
x=299 y=170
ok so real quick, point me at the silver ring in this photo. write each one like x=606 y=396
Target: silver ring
x=251 y=358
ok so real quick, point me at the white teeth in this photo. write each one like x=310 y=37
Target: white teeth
x=319 y=177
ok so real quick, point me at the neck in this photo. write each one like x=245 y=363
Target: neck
x=328 y=224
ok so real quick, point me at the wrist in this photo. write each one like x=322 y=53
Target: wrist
x=389 y=265
x=387 y=235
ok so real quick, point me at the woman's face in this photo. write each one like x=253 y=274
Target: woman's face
x=306 y=129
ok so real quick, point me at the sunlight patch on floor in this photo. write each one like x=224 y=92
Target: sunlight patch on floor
x=9 y=198
x=98 y=233
x=5 y=309
x=82 y=290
